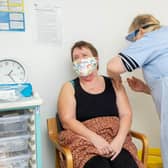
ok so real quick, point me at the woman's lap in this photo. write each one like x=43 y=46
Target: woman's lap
x=123 y=160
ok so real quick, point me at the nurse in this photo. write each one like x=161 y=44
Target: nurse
x=148 y=51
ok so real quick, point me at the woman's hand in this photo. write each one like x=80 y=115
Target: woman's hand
x=116 y=146
x=138 y=85
x=101 y=144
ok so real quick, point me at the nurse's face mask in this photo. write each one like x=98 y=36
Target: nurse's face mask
x=85 y=66
x=132 y=36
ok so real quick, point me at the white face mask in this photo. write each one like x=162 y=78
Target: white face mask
x=85 y=67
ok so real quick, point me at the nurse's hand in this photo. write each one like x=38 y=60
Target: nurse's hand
x=138 y=85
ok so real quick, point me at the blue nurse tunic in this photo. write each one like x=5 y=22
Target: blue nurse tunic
x=151 y=54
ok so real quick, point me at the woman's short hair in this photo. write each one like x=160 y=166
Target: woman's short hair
x=81 y=44
x=142 y=20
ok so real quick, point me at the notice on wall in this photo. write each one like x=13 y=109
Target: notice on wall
x=12 y=15
x=48 y=22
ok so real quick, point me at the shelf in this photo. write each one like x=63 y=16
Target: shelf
x=35 y=100
x=20 y=133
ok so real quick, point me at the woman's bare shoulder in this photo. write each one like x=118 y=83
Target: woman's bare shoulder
x=67 y=88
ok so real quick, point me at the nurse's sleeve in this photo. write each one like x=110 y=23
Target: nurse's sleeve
x=137 y=54
x=129 y=63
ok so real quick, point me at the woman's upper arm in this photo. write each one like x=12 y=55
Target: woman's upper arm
x=122 y=101
x=115 y=66
x=66 y=103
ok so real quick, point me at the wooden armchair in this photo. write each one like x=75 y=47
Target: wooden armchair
x=64 y=152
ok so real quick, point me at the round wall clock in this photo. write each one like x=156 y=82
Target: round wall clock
x=11 y=71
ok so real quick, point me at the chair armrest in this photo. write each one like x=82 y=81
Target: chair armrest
x=145 y=145
x=63 y=150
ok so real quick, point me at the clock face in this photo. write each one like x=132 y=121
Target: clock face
x=11 y=71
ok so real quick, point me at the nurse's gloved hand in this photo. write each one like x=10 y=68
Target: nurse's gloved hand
x=138 y=85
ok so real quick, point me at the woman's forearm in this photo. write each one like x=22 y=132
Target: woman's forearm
x=125 y=125
x=77 y=127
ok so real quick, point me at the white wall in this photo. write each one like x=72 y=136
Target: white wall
x=104 y=23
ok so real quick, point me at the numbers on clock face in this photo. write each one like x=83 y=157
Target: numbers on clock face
x=11 y=71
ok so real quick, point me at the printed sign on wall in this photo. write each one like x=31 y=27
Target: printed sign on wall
x=12 y=15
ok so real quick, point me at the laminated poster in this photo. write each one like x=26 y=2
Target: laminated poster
x=12 y=15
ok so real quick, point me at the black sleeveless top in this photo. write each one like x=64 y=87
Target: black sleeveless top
x=95 y=105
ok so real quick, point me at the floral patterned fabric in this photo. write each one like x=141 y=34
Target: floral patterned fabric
x=82 y=150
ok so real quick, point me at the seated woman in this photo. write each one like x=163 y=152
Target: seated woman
x=96 y=116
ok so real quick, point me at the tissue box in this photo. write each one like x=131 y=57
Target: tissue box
x=12 y=92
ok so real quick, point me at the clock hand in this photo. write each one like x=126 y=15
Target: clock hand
x=11 y=78
x=10 y=72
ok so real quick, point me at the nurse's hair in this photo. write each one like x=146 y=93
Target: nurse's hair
x=143 y=20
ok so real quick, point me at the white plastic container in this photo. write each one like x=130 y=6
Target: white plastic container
x=19 y=161
x=11 y=125
x=13 y=144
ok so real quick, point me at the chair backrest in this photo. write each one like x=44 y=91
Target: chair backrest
x=58 y=122
x=54 y=126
